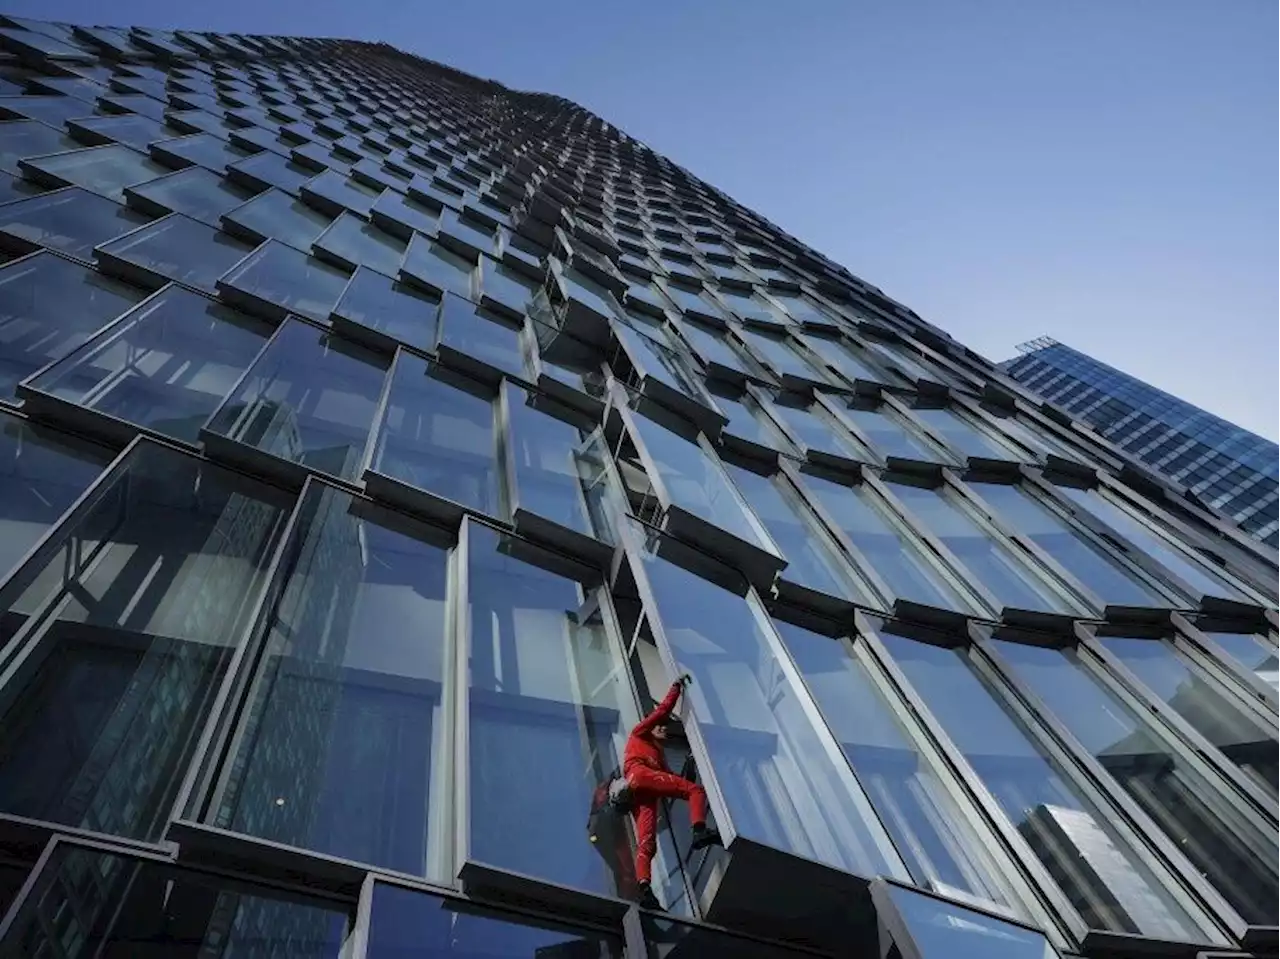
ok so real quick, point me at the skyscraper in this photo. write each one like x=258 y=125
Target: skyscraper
x=378 y=443
x=1224 y=466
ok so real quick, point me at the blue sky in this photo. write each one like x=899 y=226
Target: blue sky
x=1103 y=171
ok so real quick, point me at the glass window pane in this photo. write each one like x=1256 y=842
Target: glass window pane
x=480 y=336
x=52 y=110
x=1105 y=879
x=658 y=361
x=784 y=784
x=550 y=708
x=333 y=191
x=1195 y=812
x=309 y=399
x=165 y=365
x=20 y=139
x=779 y=355
x=41 y=474
x=438 y=435
x=894 y=556
x=961 y=436
x=409 y=214
x=667 y=938
x=89 y=904
x=941 y=848
x=267 y=169
x=1241 y=737
x=292 y=281
x=106 y=170
x=353 y=242
x=887 y=435
x=48 y=307
x=70 y=220
x=276 y=215
x=547 y=455
x=179 y=248
x=506 y=287
x=746 y=423
x=346 y=737
x=132 y=129
x=406 y=924
x=1192 y=571
x=1098 y=572
x=947 y=930
x=711 y=346
x=844 y=357
x=397 y=310
x=1005 y=574
x=816 y=433
x=1257 y=655
x=195 y=191
x=440 y=270
x=130 y=648
x=202 y=149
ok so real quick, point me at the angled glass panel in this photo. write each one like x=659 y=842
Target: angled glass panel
x=887 y=435
x=1005 y=574
x=550 y=707
x=906 y=361
x=811 y=561
x=1255 y=653
x=440 y=270
x=289 y=279
x=960 y=436
x=1207 y=707
x=179 y=248
x=310 y=398
x=20 y=139
x=779 y=355
x=438 y=434
x=505 y=286
x=165 y=365
x=784 y=782
x=815 y=432
x=552 y=469
x=351 y=241
x=130 y=626
x=106 y=170
x=397 y=310
x=746 y=422
x=937 y=839
x=202 y=149
x=344 y=746
x=480 y=335
x=669 y=939
x=42 y=472
x=48 y=307
x=12 y=188
x=938 y=929
x=1192 y=808
x=196 y=192
x=90 y=904
x=51 y=110
x=69 y=220
x=659 y=361
x=132 y=129
x=332 y=190
x=1107 y=880
x=407 y=924
x=744 y=305
x=894 y=555
x=276 y=215
x=410 y=214
x=845 y=359
x=267 y=169
x=1183 y=564
x=1030 y=518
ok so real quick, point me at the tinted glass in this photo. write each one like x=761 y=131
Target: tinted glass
x=816 y=433
x=354 y=242
x=126 y=652
x=712 y=346
x=960 y=436
x=744 y=422
x=1200 y=817
x=309 y=399
x=133 y=129
x=103 y=170
x=505 y=286
x=52 y=110
x=70 y=220
x=947 y=930
x=1104 y=877
x=438 y=434
x=778 y=354
x=288 y=279
x=27 y=138
x=203 y=149
x=165 y=365
x=196 y=192
x=397 y=310
x=1256 y=654
x=182 y=249
x=847 y=360
x=438 y=269
x=267 y=169
x=887 y=435
x=278 y=216
x=668 y=939
x=480 y=335
x=344 y=746
x=341 y=191
x=408 y=213
x=547 y=455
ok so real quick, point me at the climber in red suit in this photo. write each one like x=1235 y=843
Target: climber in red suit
x=645 y=767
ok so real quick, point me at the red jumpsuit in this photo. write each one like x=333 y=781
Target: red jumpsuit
x=645 y=768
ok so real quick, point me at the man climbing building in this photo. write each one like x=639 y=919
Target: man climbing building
x=648 y=780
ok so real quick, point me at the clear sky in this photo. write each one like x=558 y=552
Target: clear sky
x=1103 y=171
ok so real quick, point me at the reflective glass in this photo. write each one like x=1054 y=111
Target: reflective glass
x=668 y=939
x=267 y=169
x=309 y=399
x=11 y=188
x=550 y=708
x=276 y=215
x=165 y=365
x=467 y=233
x=70 y=220
x=889 y=549
x=89 y=904
x=960 y=436
x=744 y=422
x=438 y=434
x=779 y=355
x=1193 y=809
x=196 y=192
x=394 y=309
x=658 y=361
x=480 y=335
x=811 y=562
x=846 y=360
x=27 y=138
x=887 y=435
x=48 y=307
x=783 y=781
x=505 y=286
x=104 y=170
x=908 y=362
x=407 y=924
x=552 y=468
x=1005 y=574
x=816 y=433
x=409 y=213
x=202 y=149
x=52 y=110
x=41 y=474
x=351 y=242
x=334 y=190
x=345 y=746
x=947 y=930
x=130 y=625
x=438 y=269
x=1101 y=574
x=179 y=248
x=941 y=847
x=1107 y=881
x=1244 y=739
x=744 y=305
x=289 y=279
x=1256 y=654
x=133 y=129
x=1193 y=572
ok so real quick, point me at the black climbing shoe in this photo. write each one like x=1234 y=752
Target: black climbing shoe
x=704 y=837
x=647 y=899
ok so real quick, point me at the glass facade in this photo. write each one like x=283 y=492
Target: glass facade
x=378 y=444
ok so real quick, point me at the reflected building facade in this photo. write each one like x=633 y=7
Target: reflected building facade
x=378 y=443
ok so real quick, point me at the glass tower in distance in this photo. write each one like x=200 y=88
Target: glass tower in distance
x=1226 y=467
x=378 y=443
